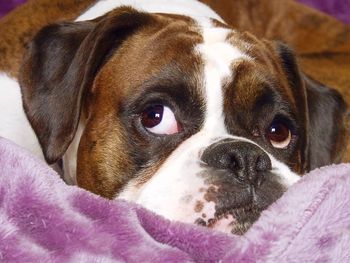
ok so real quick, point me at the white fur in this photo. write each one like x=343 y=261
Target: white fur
x=14 y=124
x=70 y=156
x=176 y=183
x=190 y=8
x=218 y=56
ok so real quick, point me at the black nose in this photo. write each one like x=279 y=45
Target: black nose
x=245 y=160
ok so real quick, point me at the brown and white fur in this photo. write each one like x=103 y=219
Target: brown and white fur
x=88 y=85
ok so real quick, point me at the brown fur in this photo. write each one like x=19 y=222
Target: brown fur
x=250 y=81
x=103 y=167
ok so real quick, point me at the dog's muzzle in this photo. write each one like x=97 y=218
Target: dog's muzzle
x=241 y=182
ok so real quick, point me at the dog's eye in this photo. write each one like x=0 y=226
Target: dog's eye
x=279 y=135
x=159 y=119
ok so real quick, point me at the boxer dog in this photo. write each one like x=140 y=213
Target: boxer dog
x=163 y=104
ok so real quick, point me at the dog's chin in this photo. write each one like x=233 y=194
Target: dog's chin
x=234 y=221
x=237 y=205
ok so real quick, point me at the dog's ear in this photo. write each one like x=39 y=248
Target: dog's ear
x=295 y=81
x=323 y=111
x=328 y=124
x=60 y=65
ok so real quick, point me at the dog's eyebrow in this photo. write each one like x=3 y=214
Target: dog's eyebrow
x=159 y=93
x=270 y=98
x=267 y=96
x=172 y=82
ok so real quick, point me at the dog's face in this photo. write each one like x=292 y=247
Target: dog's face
x=191 y=119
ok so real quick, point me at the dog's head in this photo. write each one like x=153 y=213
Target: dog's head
x=191 y=119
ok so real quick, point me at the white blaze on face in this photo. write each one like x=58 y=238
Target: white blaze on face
x=218 y=57
x=177 y=188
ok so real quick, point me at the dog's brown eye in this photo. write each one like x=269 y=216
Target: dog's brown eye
x=279 y=135
x=152 y=116
x=159 y=119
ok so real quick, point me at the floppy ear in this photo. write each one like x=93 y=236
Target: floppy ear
x=295 y=81
x=324 y=113
x=328 y=124
x=60 y=65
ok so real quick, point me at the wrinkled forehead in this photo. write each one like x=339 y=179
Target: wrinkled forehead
x=170 y=48
x=201 y=54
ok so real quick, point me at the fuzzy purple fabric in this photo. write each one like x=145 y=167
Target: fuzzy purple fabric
x=337 y=8
x=8 y=5
x=44 y=220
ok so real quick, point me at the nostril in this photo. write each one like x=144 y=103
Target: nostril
x=228 y=161
x=233 y=162
x=263 y=163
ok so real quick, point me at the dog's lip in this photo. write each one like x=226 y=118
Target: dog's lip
x=232 y=221
x=246 y=200
x=224 y=223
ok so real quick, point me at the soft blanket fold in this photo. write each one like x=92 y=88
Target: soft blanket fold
x=44 y=220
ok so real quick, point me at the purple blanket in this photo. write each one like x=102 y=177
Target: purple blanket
x=43 y=219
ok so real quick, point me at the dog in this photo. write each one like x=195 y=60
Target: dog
x=163 y=104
